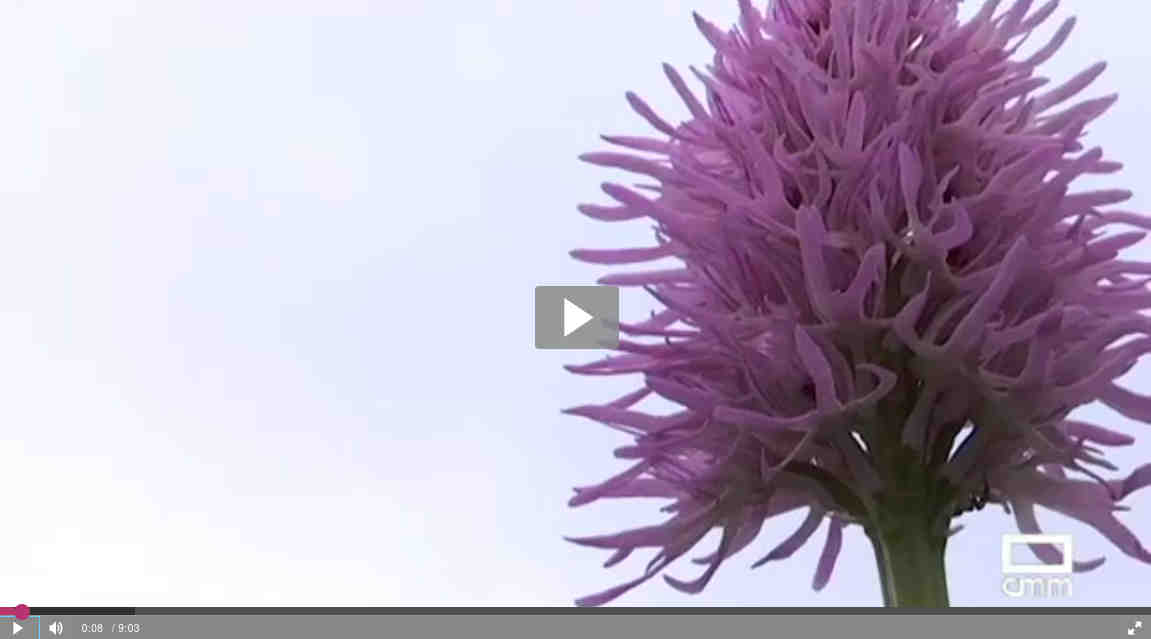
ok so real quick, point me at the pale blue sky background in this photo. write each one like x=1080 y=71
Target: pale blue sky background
x=267 y=275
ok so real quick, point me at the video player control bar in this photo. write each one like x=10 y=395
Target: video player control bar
x=554 y=623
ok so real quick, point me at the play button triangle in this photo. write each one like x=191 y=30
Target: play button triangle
x=574 y=317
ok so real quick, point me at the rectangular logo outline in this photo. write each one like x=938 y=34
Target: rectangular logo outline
x=1011 y=568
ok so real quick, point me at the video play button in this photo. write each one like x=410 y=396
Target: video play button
x=16 y=627
x=574 y=317
x=577 y=317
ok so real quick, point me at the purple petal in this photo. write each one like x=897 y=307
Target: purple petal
x=626 y=418
x=651 y=145
x=609 y=213
x=694 y=398
x=747 y=533
x=629 y=163
x=1126 y=403
x=830 y=553
x=617 y=556
x=740 y=416
x=1139 y=478
x=648 y=114
x=631 y=399
x=608 y=595
x=1097 y=434
x=589 y=494
x=1070 y=88
x=623 y=256
x=1049 y=49
x=795 y=540
x=685 y=93
x=817 y=366
x=974 y=322
x=647 y=278
x=697 y=585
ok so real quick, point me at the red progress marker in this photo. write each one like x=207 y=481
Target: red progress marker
x=20 y=612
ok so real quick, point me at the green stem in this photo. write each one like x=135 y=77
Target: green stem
x=881 y=566
x=909 y=554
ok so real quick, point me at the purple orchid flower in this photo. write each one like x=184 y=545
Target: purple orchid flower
x=887 y=301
